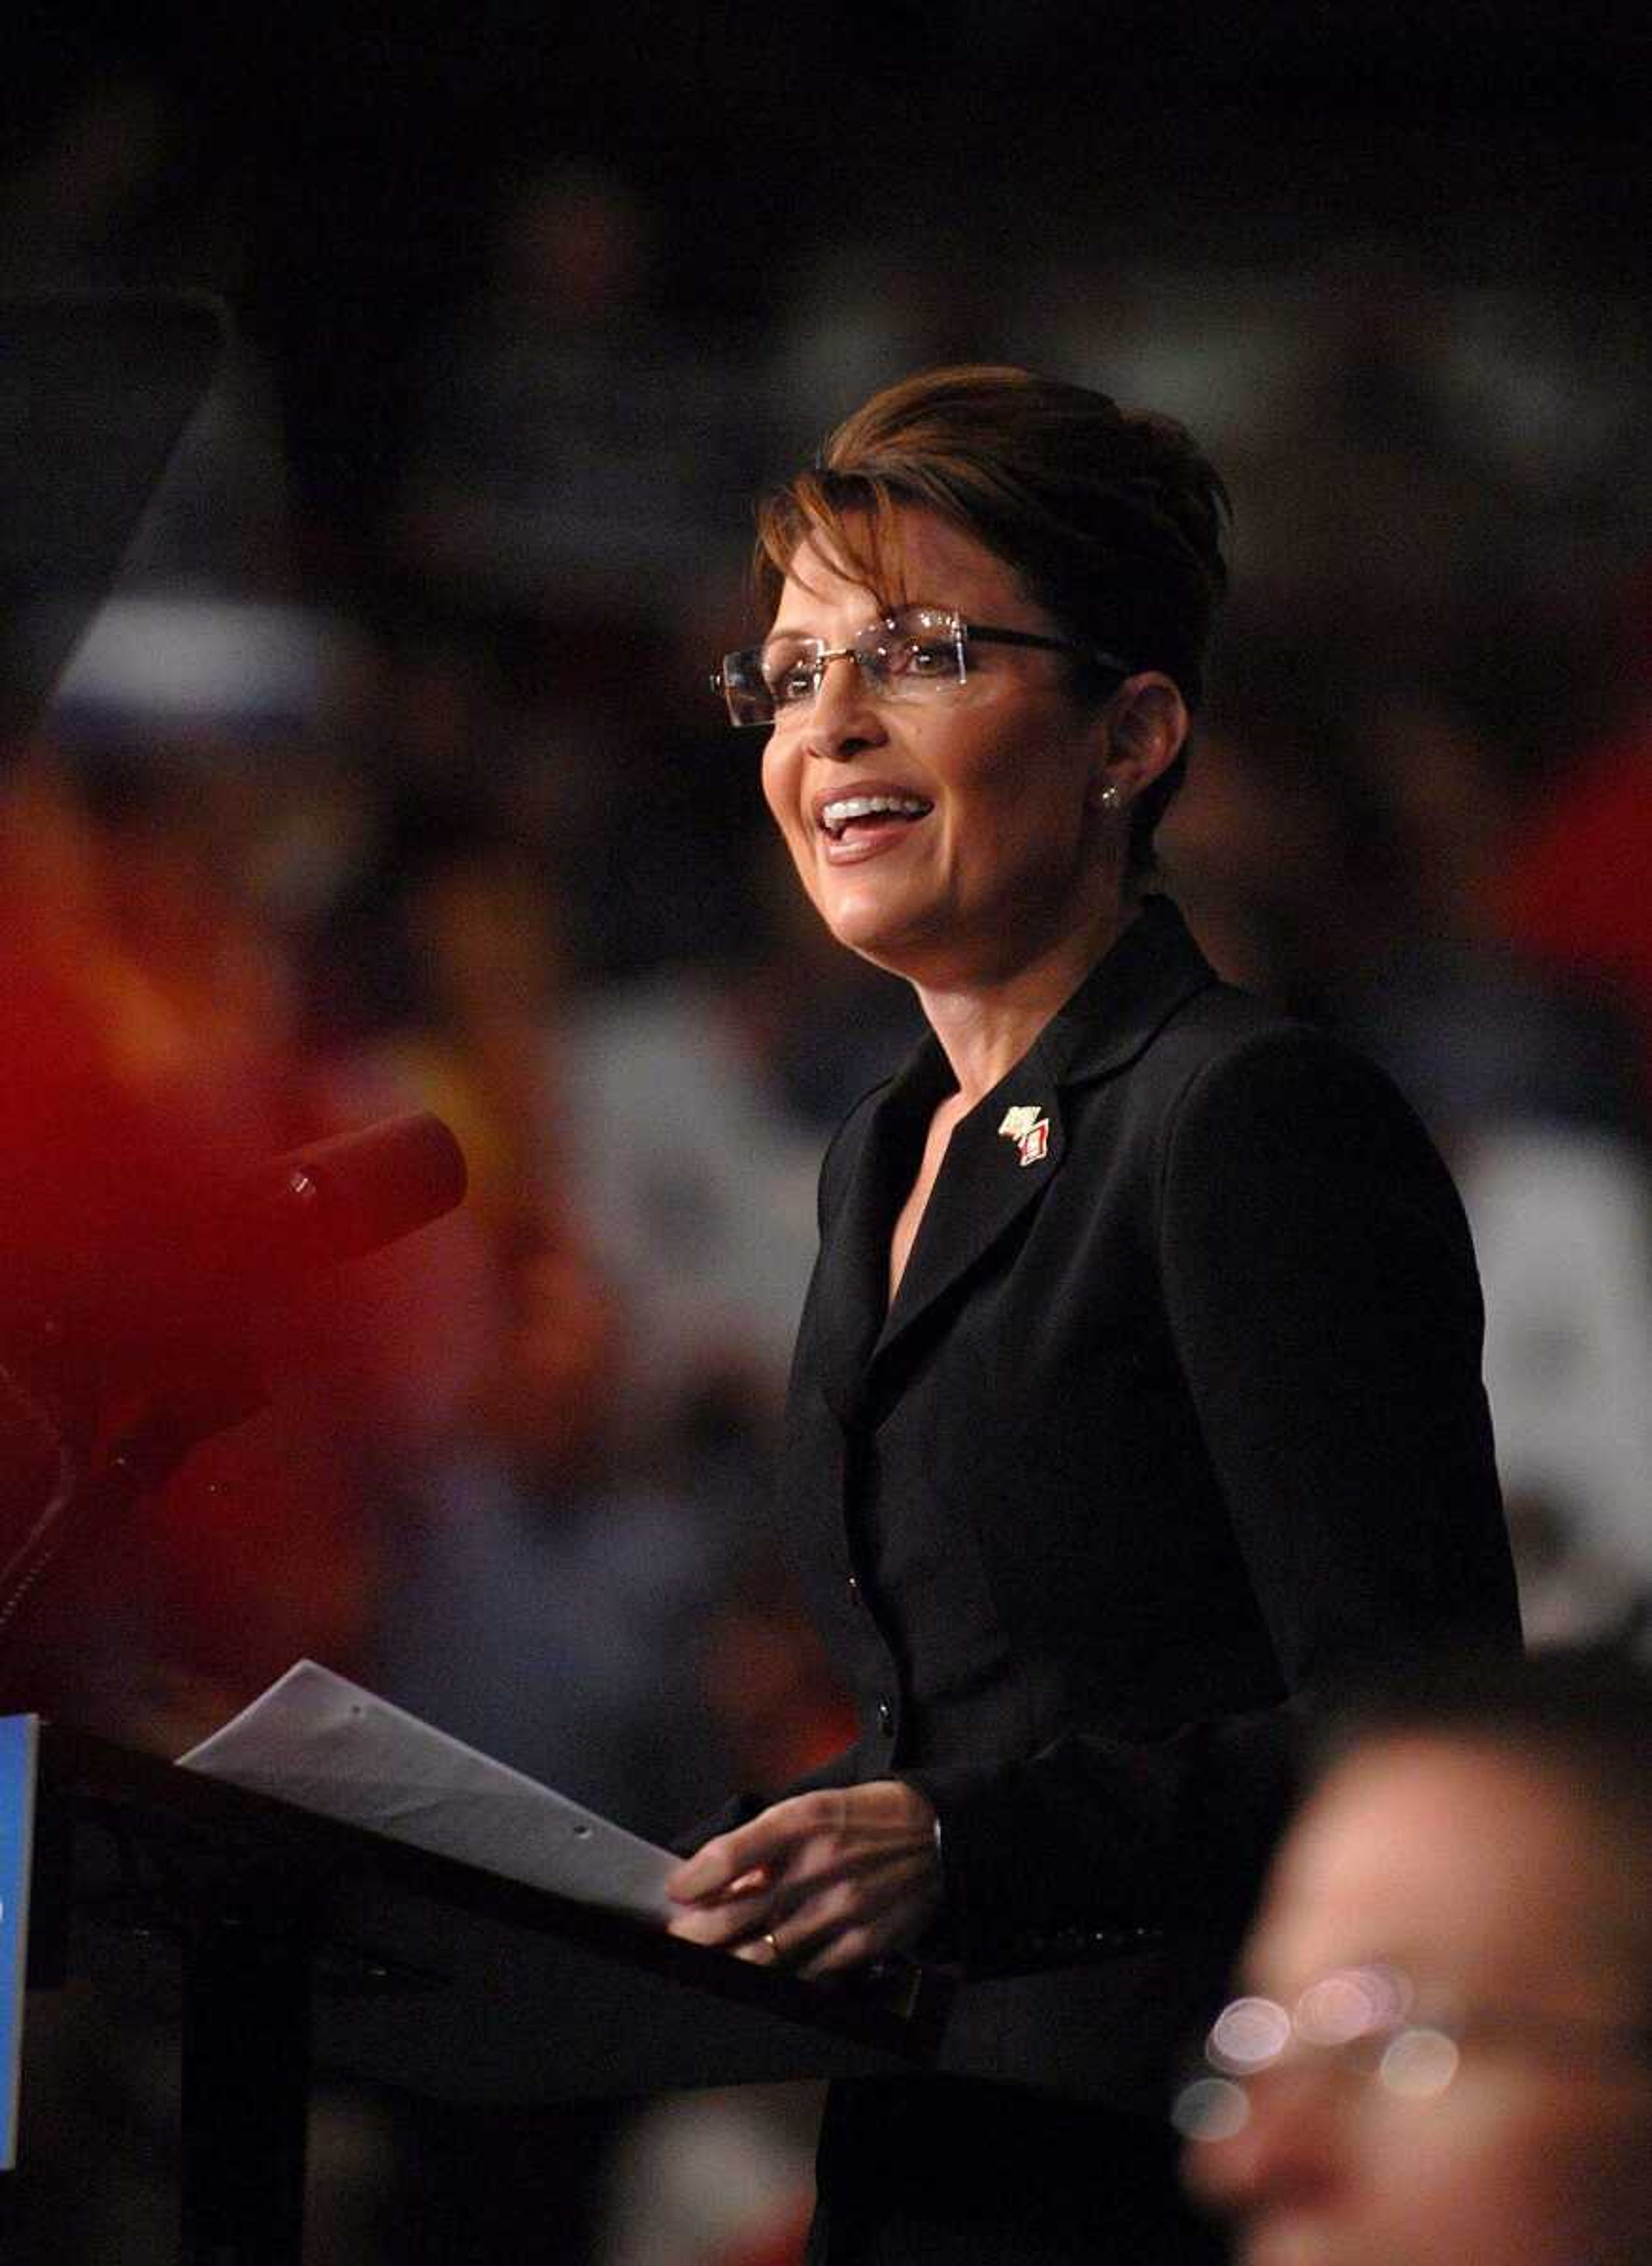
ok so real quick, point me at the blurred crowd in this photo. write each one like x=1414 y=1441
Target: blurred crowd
x=456 y=825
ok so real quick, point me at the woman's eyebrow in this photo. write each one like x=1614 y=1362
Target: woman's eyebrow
x=875 y=612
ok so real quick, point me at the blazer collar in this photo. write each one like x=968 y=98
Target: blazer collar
x=1001 y=1158
x=1153 y=969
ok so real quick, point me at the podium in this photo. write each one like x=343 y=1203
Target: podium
x=290 y=1942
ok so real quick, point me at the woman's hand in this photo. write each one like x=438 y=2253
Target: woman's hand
x=822 y=1883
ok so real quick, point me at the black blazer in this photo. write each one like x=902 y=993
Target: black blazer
x=1177 y=1415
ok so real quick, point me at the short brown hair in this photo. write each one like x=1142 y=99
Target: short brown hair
x=1114 y=523
x=1582 y=1718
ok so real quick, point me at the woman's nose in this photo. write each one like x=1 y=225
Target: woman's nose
x=843 y=716
x=1285 y=2149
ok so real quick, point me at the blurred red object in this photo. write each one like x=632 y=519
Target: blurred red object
x=149 y=1073
x=1574 y=887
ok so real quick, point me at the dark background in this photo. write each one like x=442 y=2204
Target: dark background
x=328 y=166
x=528 y=301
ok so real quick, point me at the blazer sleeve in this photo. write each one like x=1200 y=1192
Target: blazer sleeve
x=1320 y=1290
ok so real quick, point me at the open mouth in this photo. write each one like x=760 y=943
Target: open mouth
x=851 y=815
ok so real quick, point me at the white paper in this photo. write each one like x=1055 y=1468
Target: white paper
x=321 y=1743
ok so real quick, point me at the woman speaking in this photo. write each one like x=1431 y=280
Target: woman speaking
x=1137 y=1390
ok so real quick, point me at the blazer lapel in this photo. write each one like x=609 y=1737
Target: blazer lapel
x=1001 y=1158
x=1010 y=1147
x=851 y=1292
x=1120 y=1008
x=991 y=1174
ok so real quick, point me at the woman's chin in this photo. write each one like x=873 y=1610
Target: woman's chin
x=869 y=921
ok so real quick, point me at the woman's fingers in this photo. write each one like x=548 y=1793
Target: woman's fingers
x=846 y=1927
x=766 y=1844
x=722 y=1927
x=820 y=1883
x=844 y=1923
x=888 y=1913
x=809 y=1917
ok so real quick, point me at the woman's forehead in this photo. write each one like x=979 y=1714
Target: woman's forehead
x=878 y=562
x=1461 y=1861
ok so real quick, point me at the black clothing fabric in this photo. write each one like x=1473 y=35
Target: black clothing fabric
x=941 y=2172
x=1175 y=1418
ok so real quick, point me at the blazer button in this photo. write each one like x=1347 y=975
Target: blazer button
x=886 y=1719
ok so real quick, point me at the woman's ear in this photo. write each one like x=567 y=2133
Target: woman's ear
x=1145 y=724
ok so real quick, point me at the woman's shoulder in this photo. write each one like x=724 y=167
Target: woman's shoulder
x=1154 y=1015
x=1234 y=1092
x=1223 y=1028
x=1225 y=1037
x=1228 y=1060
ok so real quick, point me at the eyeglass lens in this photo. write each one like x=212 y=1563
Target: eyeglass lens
x=1358 y=2020
x=909 y=651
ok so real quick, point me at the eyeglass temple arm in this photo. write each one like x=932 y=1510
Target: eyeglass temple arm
x=1095 y=652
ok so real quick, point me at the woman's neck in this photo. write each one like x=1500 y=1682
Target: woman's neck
x=985 y=1027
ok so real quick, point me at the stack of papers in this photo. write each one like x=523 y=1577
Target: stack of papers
x=321 y=1743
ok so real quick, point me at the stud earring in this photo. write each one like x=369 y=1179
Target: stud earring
x=1110 y=797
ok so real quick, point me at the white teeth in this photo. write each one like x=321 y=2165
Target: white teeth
x=836 y=815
